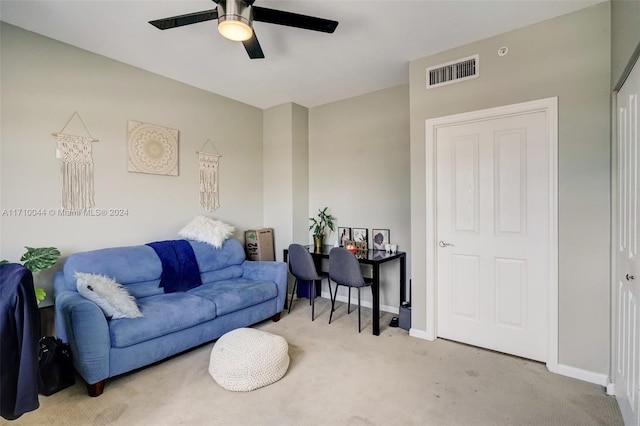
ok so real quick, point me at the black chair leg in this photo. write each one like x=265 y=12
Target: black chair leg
x=349 y=302
x=293 y=294
x=313 y=300
x=333 y=301
x=330 y=292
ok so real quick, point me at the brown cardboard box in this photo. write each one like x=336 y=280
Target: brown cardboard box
x=259 y=244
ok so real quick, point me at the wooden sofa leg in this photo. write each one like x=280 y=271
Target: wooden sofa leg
x=96 y=389
x=276 y=317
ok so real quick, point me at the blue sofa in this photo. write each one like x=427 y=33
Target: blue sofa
x=234 y=293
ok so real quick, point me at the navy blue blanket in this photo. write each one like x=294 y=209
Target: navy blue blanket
x=180 y=270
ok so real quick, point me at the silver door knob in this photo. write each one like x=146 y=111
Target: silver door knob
x=444 y=244
x=630 y=277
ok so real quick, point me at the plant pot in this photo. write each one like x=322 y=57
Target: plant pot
x=317 y=241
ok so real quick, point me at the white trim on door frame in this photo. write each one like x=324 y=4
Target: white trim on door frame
x=550 y=107
x=610 y=385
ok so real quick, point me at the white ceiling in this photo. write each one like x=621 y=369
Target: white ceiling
x=370 y=49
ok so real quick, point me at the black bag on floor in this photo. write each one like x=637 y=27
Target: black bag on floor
x=56 y=369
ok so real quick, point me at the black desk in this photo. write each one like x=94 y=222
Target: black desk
x=375 y=258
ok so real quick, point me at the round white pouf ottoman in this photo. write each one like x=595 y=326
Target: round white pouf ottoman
x=246 y=359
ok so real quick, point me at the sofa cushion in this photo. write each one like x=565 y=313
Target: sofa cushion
x=145 y=289
x=212 y=259
x=225 y=274
x=233 y=295
x=124 y=264
x=162 y=314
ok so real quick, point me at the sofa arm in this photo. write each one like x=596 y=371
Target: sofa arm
x=82 y=324
x=269 y=271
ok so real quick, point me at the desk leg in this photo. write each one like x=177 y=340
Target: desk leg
x=403 y=279
x=375 y=289
x=312 y=296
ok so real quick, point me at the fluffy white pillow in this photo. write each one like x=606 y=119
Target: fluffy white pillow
x=114 y=300
x=207 y=230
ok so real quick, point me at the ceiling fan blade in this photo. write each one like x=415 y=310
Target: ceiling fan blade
x=252 y=46
x=280 y=17
x=188 y=19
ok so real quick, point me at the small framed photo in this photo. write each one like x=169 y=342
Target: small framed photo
x=380 y=238
x=344 y=235
x=361 y=234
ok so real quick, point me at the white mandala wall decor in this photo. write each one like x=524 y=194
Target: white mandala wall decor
x=152 y=149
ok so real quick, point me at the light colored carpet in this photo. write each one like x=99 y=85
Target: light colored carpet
x=340 y=377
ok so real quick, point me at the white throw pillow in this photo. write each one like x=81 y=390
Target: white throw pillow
x=207 y=230
x=114 y=300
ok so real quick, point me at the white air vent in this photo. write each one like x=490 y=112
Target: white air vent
x=453 y=72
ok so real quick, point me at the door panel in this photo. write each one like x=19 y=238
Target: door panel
x=511 y=189
x=511 y=294
x=465 y=184
x=465 y=286
x=492 y=183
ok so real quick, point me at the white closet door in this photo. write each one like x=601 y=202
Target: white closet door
x=627 y=281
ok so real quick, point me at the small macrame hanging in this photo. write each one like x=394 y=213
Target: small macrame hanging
x=209 y=178
x=77 y=168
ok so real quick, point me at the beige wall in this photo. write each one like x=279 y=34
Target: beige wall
x=286 y=174
x=359 y=168
x=277 y=177
x=43 y=82
x=300 y=173
x=625 y=37
x=567 y=57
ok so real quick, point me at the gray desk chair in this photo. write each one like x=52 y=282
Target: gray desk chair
x=344 y=269
x=303 y=268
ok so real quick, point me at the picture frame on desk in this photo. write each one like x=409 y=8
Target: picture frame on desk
x=361 y=234
x=380 y=237
x=344 y=234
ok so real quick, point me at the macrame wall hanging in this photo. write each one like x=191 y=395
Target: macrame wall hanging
x=209 y=178
x=77 y=168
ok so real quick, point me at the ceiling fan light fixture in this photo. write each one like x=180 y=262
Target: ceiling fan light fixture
x=235 y=30
x=234 y=20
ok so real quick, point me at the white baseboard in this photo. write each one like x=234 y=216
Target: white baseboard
x=365 y=303
x=420 y=334
x=354 y=302
x=585 y=375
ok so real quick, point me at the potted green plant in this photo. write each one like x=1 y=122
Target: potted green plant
x=37 y=259
x=319 y=225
